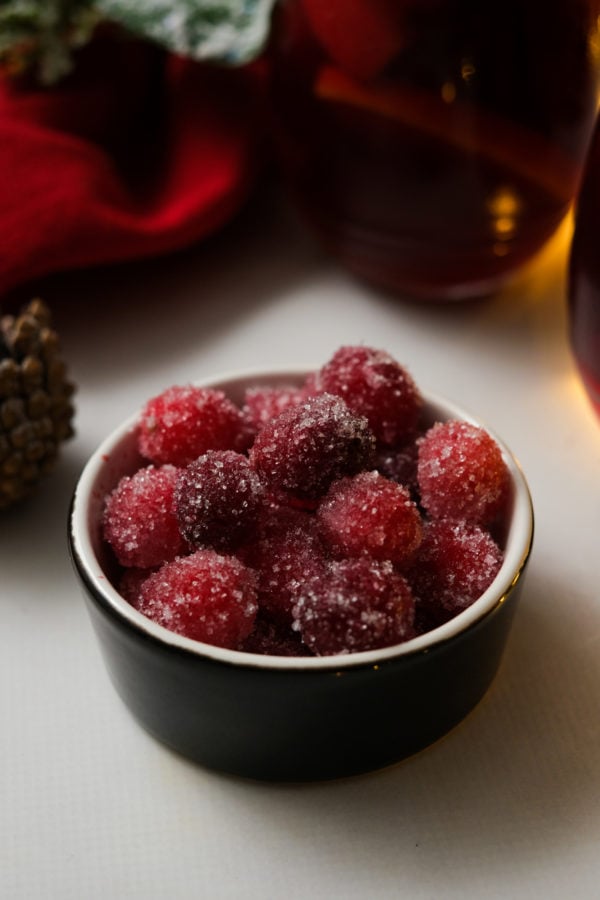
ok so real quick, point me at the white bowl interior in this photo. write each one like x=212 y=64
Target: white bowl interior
x=118 y=456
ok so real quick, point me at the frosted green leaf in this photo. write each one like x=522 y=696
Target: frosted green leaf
x=42 y=33
x=226 y=31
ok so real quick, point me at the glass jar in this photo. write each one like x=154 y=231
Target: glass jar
x=584 y=277
x=434 y=145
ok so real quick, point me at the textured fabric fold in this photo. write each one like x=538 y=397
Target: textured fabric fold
x=136 y=154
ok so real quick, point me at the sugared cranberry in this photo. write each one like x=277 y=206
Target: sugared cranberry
x=455 y=564
x=204 y=596
x=461 y=473
x=218 y=498
x=374 y=385
x=140 y=522
x=400 y=466
x=276 y=519
x=306 y=447
x=130 y=584
x=261 y=404
x=369 y=515
x=310 y=387
x=287 y=552
x=182 y=423
x=357 y=604
x=323 y=514
x=271 y=638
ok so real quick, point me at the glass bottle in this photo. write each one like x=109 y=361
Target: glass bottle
x=434 y=145
x=584 y=277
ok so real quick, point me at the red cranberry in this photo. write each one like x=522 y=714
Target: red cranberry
x=400 y=466
x=369 y=515
x=306 y=447
x=286 y=550
x=140 y=522
x=270 y=638
x=356 y=604
x=455 y=564
x=204 y=596
x=374 y=385
x=218 y=498
x=182 y=423
x=261 y=404
x=461 y=473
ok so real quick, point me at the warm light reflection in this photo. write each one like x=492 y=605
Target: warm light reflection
x=504 y=226
x=581 y=391
x=557 y=248
x=504 y=207
x=504 y=203
x=448 y=92
x=547 y=268
x=594 y=44
x=467 y=70
x=544 y=275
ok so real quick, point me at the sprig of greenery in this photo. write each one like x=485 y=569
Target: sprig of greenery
x=228 y=31
x=41 y=34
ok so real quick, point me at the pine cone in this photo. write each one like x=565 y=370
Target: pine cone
x=35 y=401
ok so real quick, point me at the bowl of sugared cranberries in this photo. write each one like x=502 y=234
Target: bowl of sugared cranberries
x=299 y=575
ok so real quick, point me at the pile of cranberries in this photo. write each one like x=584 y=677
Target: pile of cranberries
x=316 y=519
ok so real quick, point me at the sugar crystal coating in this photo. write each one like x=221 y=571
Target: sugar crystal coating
x=374 y=385
x=303 y=449
x=130 y=584
x=358 y=604
x=455 y=564
x=204 y=596
x=261 y=404
x=310 y=387
x=461 y=473
x=351 y=530
x=370 y=515
x=140 y=522
x=183 y=422
x=218 y=498
x=287 y=551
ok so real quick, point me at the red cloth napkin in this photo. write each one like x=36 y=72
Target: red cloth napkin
x=137 y=153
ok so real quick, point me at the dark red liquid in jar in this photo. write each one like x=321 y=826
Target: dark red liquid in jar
x=434 y=145
x=584 y=277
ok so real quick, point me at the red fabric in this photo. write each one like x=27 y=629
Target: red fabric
x=136 y=154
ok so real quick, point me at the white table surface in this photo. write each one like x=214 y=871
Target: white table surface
x=506 y=806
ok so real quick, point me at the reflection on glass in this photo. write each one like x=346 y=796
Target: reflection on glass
x=584 y=280
x=434 y=145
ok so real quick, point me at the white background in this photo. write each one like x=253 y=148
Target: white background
x=507 y=805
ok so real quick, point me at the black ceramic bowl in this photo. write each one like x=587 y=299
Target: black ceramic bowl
x=281 y=718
